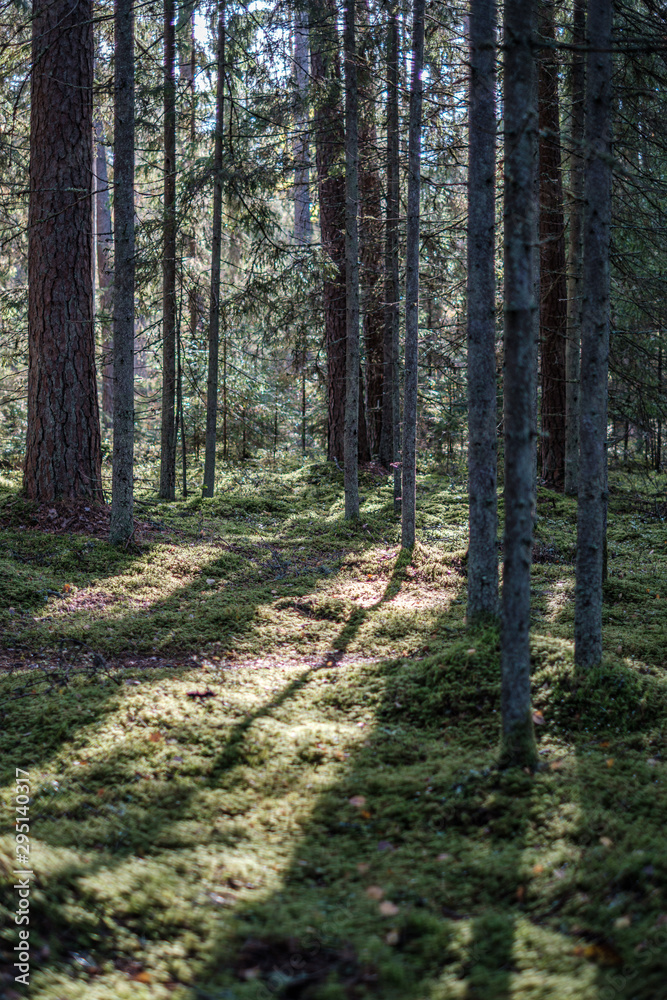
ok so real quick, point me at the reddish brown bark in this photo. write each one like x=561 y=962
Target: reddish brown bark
x=553 y=280
x=63 y=443
x=104 y=268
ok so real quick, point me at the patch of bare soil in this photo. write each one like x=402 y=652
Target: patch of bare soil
x=79 y=516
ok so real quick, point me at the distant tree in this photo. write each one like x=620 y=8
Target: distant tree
x=216 y=245
x=122 y=489
x=104 y=241
x=595 y=320
x=63 y=457
x=519 y=380
x=409 y=483
x=351 y=265
x=482 y=434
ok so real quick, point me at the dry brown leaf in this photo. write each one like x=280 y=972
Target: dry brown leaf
x=538 y=869
x=155 y=737
x=606 y=841
x=142 y=977
x=388 y=909
x=538 y=718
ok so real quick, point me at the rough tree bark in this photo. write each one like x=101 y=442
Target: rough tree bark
x=105 y=276
x=409 y=481
x=592 y=493
x=216 y=245
x=553 y=287
x=370 y=239
x=574 y=256
x=520 y=306
x=390 y=443
x=351 y=267
x=327 y=116
x=482 y=443
x=168 y=434
x=63 y=457
x=122 y=489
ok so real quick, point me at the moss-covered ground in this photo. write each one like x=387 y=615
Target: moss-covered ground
x=262 y=749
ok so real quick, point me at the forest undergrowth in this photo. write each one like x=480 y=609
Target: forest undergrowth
x=262 y=747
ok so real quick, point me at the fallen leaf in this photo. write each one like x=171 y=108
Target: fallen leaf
x=622 y=922
x=100 y=792
x=538 y=869
x=363 y=867
x=142 y=977
x=67 y=587
x=606 y=841
x=358 y=801
x=392 y=937
x=520 y=893
x=602 y=953
x=375 y=892
x=556 y=765
x=388 y=909
x=443 y=857
x=538 y=718
x=365 y=814
x=610 y=762
x=155 y=737
x=605 y=743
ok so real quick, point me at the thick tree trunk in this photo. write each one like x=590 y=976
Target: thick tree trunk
x=168 y=435
x=303 y=227
x=520 y=306
x=122 y=490
x=327 y=118
x=390 y=443
x=592 y=494
x=553 y=287
x=370 y=200
x=351 y=268
x=214 y=314
x=105 y=276
x=63 y=457
x=409 y=483
x=575 y=261
x=482 y=439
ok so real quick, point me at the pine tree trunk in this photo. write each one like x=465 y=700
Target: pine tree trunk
x=409 y=482
x=553 y=287
x=168 y=435
x=482 y=441
x=390 y=443
x=575 y=261
x=351 y=268
x=592 y=494
x=63 y=457
x=327 y=116
x=104 y=241
x=303 y=228
x=214 y=315
x=370 y=242
x=520 y=306
x=122 y=490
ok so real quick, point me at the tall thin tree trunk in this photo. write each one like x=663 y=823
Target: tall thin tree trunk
x=592 y=496
x=327 y=114
x=409 y=483
x=370 y=238
x=482 y=443
x=520 y=307
x=351 y=267
x=390 y=443
x=574 y=256
x=63 y=456
x=553 y=286
x=658 y=440
x=168 y=436
x=122 y=490
x=214 y=316
x=104 y=241
x=303 y=227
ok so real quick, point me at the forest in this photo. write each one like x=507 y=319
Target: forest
x=333 y=563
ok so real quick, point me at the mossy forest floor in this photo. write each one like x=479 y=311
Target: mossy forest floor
x=262 y=750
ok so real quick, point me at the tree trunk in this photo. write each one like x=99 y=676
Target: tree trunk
x=303 y=227
x=122 y=490
x=592 y=496
x=520 y=306
x=63 y=457
x=327 y=116
x=351 y=268
x=168 y=436
x=370 y=201
x=482 y=443
x=214 y=315
x=390 y=443
x=104 y=234
x=553 y=286
x=409 y=484
x=574 y=261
